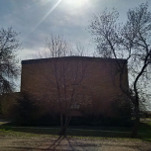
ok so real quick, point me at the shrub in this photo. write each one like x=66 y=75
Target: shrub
x=25 y=111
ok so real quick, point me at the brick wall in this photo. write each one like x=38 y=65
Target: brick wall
x=84 y=84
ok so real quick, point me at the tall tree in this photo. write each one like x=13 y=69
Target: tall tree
x=68 y=86
x=130 y=41
x=64 y=80
x=8 y=62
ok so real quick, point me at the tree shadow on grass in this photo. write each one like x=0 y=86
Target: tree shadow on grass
x=56 y=143
x=70 y=144
x=75 y=144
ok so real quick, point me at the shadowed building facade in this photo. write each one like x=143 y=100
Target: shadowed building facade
x=76 y=85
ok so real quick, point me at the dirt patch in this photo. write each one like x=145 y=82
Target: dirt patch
x=50 y=143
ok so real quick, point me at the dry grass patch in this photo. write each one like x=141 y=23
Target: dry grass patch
x=49 y=143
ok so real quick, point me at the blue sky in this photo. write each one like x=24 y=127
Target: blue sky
x=36 y=20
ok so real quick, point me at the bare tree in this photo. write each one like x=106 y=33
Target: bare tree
x=65 y=78
x=130 y=41
x=68 y=84
x=8 y=62
x=57 y=46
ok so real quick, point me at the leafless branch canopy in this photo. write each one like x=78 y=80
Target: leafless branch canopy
x=8 y=67
x=130 y=41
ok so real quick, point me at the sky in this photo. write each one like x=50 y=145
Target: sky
x=37 y=20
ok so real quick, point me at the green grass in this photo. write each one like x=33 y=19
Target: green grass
x=145 y=130
x=84 y=138
x=82 y=132
x=117 y=132
x=1 y=123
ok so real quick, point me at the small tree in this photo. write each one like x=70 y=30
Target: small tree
x=130 y=41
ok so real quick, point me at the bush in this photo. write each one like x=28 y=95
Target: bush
x=25 y=111
x=8 y=103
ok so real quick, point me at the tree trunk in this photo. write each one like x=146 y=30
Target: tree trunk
x=136 y=121
x=63 y=131
x=135 y=128
x=61 y=120
x=65 y=126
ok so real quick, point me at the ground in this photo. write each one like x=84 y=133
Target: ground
x=48 y=143
x=46 y=139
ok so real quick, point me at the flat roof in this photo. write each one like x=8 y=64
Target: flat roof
x=30 y=61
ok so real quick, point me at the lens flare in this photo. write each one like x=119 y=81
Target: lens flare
x=76 y=3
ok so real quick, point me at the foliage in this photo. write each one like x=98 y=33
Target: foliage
x=122 y=108
x=8 y=104
x=25 y=111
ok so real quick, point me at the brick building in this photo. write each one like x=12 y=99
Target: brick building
x=77 y=85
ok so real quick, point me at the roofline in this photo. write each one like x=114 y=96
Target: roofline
x=28 y=61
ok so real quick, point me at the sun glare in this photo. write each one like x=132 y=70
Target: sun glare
x=76 y=3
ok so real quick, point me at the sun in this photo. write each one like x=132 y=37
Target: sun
x=76 y=3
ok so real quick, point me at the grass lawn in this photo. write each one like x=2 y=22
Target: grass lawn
x=79 y=139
